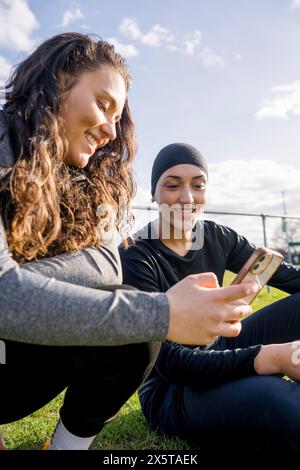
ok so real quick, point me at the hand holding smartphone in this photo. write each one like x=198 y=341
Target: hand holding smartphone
x=259 y=268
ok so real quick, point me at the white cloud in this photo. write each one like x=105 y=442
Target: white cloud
x=5 y=69
x=72 y=15
x=209 y=59
x=155 y=37
x=284 y=104
x=17 y=24
x=192 y=42
x=251 y=185
x=159 y=36
x=129 y=28
x=126 y=50
x=295 y=4
x=172 y=47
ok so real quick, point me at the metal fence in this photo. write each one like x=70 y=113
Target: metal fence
x=260 y=232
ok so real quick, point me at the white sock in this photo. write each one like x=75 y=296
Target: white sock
x=62 y=439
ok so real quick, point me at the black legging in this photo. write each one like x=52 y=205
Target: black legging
x=259 y=412
x=99 y=380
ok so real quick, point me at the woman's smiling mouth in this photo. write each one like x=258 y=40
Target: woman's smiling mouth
x=91 y=141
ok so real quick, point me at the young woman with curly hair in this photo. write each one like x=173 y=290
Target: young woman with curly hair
x=66 y=150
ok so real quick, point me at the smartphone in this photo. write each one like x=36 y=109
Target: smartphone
x=259 y=268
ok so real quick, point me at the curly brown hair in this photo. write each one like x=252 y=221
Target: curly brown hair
x=47 y=206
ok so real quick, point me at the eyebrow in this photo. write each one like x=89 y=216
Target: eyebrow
x=179 y=177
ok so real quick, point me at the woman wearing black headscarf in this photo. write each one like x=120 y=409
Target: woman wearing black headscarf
x=231 y=392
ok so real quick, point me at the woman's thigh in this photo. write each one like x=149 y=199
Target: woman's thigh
x=257 y=412
x=32 y=376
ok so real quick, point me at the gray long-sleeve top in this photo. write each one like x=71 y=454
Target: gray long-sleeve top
x=59 y=301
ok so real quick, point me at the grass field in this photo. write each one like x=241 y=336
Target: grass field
x=127 y=431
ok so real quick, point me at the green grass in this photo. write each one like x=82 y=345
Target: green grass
x=128 y=431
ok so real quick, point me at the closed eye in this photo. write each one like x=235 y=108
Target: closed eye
x=102 y=106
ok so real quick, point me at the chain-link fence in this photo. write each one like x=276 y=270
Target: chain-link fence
x=280 y=232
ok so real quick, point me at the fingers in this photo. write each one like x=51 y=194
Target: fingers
x=233 y=315
x=227 y=329
x=225 y=294
x=235 y=292
x=230 y=329
x=236 y=312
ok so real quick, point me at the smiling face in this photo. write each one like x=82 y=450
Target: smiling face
x=181 y=195
x=90 y=111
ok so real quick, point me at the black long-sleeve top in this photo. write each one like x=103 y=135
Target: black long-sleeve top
x=150 y=265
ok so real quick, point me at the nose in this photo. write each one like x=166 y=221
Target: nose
x=186 y=195
x=109 y=129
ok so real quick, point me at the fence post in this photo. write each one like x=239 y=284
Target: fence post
x=263 y=218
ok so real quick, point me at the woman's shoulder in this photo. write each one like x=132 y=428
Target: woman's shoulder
x=212 y=226
x=221 y=235
x=140 y=242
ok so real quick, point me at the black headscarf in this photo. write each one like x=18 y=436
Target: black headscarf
x=175 y=154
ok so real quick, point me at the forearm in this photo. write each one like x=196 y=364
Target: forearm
x=40 y=310
x=202 y=367
x=286 y=278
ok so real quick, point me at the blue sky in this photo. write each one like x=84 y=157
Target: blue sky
x=223 y=75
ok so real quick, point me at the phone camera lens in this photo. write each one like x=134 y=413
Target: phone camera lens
x=255 y=267
x=261 y=259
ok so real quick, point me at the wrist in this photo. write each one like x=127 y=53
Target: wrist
x=267 y=361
